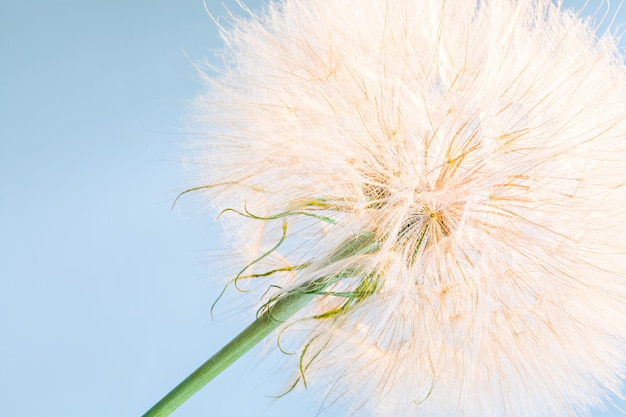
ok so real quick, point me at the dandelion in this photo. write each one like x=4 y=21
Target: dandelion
x=445 y=182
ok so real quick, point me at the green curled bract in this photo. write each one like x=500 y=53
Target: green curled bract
x=260 y=258
x=248 y=214
x=208 y=187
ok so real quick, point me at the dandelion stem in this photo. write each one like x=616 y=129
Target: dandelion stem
x=266 y=323
x=273 y=316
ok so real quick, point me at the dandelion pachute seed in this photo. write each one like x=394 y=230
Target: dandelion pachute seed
x=453 y=177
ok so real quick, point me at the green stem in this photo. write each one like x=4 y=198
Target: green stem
x=273 y=316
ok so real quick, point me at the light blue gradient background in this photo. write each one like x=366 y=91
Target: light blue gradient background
x=104 y=292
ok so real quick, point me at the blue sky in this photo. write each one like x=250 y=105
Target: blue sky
x=104 y=292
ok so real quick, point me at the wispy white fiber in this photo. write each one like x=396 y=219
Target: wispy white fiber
x=482 y=145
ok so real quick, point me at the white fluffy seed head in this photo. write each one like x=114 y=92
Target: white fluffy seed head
x=483 y=144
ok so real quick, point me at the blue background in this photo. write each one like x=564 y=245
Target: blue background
x=105 y=292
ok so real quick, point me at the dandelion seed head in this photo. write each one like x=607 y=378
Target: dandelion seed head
x=482 y=145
